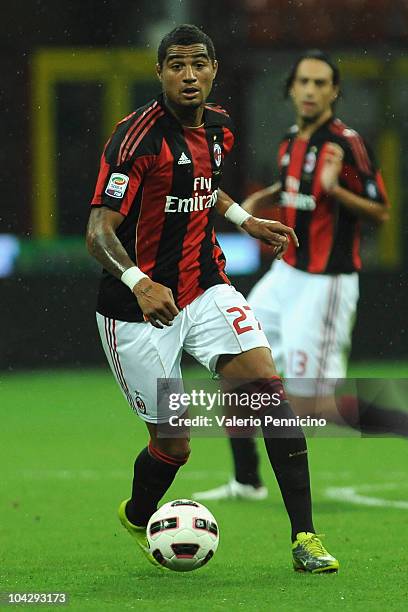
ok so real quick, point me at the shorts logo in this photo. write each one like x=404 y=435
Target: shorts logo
x=117 y=185
x=217 y=154
x=141 y=406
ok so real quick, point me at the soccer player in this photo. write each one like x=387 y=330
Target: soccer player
x=164 y=290
x=307 y=302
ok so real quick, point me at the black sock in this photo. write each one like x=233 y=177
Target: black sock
x=371 y=419
x=286 y=448
x=287 y=452
x=246 y=461
x=288 y=457
x=153 y=474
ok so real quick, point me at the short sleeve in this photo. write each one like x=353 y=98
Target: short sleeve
x=128 y=155
x=117 y=185
x=360 y=165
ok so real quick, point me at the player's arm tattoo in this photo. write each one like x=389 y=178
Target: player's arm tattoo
x=102 y=242
x=223 y=203
x=155 y=300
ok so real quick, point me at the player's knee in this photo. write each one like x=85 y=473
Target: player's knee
x=181 y=453
x=254 y=364
x=265 y=395
x=177 y=450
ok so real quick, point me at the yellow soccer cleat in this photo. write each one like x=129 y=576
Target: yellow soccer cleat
x=309 y=555
x=139 y=534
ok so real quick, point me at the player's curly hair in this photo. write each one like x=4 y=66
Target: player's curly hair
x=185 y=34
x=316 y=54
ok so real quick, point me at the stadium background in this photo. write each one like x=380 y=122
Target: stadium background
x=69 y=72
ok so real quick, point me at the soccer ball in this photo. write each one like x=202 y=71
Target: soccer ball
x=182 y=535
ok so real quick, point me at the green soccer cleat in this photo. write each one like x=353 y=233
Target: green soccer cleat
x=138 y=533
x=309 y=555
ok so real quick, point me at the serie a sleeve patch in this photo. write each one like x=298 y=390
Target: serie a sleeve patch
x=117 y=184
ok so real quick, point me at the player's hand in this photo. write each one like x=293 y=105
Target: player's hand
x=273 y=233
x=332 y=165
x=156 y=302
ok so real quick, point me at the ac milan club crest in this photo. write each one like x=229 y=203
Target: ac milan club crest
x=141 y=406
x=217 y=154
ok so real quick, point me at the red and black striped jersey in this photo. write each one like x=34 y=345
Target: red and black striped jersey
x=163 y=178
x=329 y=234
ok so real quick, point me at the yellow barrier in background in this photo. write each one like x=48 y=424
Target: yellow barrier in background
x=115 y=69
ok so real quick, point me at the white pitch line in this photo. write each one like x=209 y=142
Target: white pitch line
x=352 y=496
x=108 y=474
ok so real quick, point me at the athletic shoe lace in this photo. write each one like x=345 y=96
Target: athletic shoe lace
x=314 y=546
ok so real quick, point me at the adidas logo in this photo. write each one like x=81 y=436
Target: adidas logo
x=184 y=159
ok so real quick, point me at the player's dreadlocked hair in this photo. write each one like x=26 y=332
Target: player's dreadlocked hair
x=185 y=34
x=311 y=54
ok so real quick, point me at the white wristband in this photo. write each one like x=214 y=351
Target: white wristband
x=131 y=276
x=236 y=214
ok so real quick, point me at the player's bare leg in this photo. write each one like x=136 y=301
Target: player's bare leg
x=287 y=452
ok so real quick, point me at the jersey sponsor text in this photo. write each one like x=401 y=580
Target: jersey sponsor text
x=299 y=201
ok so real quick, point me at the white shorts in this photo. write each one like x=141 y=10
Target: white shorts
x=218 y=322
x=308 y=320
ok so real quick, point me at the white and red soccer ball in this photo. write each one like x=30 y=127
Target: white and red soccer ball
x=182 y=535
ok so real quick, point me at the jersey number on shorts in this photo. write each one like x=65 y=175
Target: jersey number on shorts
x=240 y=319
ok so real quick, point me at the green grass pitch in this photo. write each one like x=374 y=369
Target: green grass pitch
x=68 y=441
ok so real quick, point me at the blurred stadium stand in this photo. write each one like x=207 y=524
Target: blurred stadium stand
x=69 y=72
